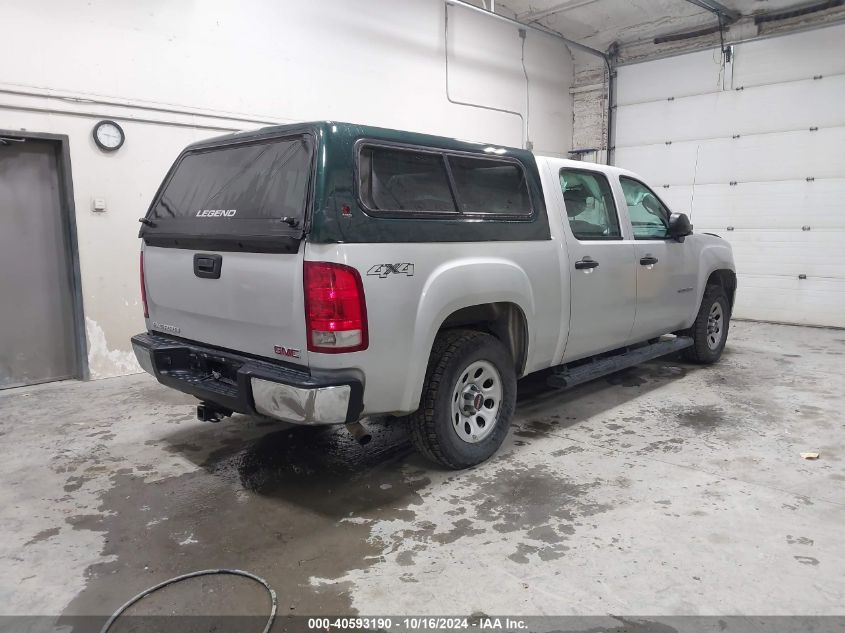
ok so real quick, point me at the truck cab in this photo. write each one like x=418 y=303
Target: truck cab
x=630 y=278
x=324 y=272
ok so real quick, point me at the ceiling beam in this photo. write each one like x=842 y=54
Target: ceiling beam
x=726 y=14
x=533 y=27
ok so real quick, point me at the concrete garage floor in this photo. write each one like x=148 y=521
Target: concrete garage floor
x=666 y=489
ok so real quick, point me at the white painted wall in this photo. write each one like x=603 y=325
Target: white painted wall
x=692 y=126
x=174 y=71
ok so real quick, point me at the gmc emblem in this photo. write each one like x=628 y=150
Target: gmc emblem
x=290 y=352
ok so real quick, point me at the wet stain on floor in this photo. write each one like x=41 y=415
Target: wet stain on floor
x=627 y=378
x=273 y=506
x=535 y=428
x=672 y=445
x=702 y=418
x=43 y=535
x=536 y=501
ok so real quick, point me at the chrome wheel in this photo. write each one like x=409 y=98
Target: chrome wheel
x=715 y=326
x=476 y=399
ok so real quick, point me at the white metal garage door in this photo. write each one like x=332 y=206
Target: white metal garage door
x=755 y=151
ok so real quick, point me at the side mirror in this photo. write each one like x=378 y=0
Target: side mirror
x=679 y=226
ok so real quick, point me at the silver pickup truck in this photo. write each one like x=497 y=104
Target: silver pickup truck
x=319 y=273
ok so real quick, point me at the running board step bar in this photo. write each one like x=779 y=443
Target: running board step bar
x=565 y=376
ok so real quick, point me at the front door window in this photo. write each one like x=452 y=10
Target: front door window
x=649 y=217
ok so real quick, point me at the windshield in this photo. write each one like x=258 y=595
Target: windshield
x=265 y=180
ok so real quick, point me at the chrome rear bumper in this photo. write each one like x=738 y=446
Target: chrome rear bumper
x=248 y=385
x=320 y=405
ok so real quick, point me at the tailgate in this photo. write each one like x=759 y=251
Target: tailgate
x=224 y=244
x=255 y=306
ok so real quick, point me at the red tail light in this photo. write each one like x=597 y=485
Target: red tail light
x=335 y=308
x=144 y=289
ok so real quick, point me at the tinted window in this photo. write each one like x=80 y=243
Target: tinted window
x=403 y=180
x=490 y=186
x=649 y=217
x=589 y=205
x=255 y=181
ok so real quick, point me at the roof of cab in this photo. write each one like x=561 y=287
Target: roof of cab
x=610 y=170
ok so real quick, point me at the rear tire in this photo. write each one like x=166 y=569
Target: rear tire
x=710 y=330
x=468 y=399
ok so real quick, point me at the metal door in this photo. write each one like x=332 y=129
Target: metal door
x=667 y=270
x=37 y=337
x=753 y=149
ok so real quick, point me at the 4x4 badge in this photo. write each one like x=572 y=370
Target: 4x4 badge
x=383 y=270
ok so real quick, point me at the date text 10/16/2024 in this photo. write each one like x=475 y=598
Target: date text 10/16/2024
x=481 y=623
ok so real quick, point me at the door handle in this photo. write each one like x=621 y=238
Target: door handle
x=586 y=263
x=207 y=266
x=648 y=260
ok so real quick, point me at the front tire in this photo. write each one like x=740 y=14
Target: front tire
x=468 y=399
x=710 y=330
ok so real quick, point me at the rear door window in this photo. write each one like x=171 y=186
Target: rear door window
x=589 y=205
x=267 y=180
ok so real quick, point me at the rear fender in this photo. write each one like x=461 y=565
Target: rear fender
x=460 y=284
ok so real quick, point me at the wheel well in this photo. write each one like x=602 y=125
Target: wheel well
x=503 y=320
x=727 y=280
